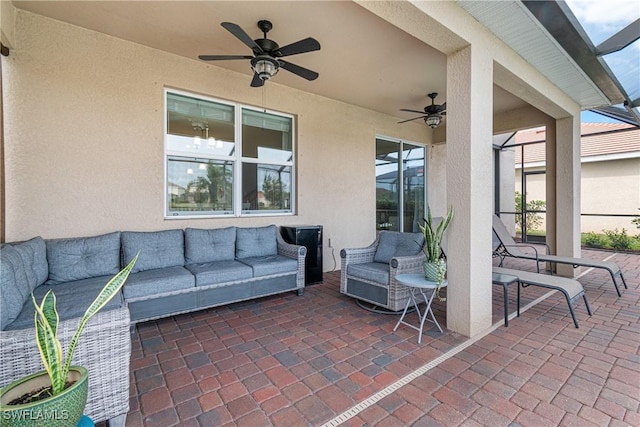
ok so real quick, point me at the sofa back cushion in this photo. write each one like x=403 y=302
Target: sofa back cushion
x=158 y=249
x=394 y=244
x=256 y=241
x=34 y=256
x=203 y=246
x=83 y=257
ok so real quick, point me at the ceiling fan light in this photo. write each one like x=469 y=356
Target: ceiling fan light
x=264 y=67
x=433 y=120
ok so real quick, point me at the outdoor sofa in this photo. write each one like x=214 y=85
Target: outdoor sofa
x=177 y=271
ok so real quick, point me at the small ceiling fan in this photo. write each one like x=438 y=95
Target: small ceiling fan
x=266 y=59
x=432 y=114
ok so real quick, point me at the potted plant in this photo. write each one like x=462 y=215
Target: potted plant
x=58 y=394
x=435 y=265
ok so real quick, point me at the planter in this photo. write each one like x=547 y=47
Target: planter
x=62 y=410
x=435 y=271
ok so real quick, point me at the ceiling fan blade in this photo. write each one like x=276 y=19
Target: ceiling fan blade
x=242 y=36
x=415 y=118
x=298 y=70
x=257 y=81
x=223 y=57
x=442 y=107
x=307 y=45
x=412 y=111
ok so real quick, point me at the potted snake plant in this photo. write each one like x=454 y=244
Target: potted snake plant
x=57 y=395
x=435 y=266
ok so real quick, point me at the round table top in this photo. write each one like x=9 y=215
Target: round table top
x=417 y=280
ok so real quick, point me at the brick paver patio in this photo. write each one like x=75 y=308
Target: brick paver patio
x=303 y=361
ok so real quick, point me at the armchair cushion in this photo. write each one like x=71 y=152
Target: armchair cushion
x=394 y=244
x=372 y=271
x=83 y=257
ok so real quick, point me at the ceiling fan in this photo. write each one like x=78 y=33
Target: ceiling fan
x=266 y=59
x=432 y=114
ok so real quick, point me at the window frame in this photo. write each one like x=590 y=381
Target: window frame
x=401 y=170
x=236 y=158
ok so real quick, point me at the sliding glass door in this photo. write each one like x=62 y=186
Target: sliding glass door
x=400 y=185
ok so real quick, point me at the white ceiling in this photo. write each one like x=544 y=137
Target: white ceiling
x=364 y=60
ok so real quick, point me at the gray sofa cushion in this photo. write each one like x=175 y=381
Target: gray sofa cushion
x=158 y=249
x=34 y=255
x=70 y=303
x=157 y=281
x=14 y=285
x=373 y=271
x=211 y=273
x=267 y=265
x=394 y=244
x=23 y=267
x=203 y=246
x=83 y=257
x=256 y=242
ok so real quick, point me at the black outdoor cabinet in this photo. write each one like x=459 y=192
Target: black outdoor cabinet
x=309 y=236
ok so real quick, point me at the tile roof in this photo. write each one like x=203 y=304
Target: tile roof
x=598 y=139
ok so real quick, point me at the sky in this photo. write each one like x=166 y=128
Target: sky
x=600 y=20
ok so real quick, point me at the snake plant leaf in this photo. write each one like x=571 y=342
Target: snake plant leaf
x=105 y=295
x=433 y=238
x=46 y=325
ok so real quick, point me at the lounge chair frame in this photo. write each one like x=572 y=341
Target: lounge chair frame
x=509 y=248
x=570 y=288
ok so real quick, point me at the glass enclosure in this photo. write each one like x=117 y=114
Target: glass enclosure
x=400 y=185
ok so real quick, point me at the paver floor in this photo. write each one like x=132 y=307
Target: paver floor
x=319 y=359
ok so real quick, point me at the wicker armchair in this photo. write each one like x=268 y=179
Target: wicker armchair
x=369 y=274
x=104 y=349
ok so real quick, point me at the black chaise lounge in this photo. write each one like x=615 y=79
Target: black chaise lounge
x=509 y=247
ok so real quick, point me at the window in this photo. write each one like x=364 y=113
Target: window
x=400 y=185
x=226 y=159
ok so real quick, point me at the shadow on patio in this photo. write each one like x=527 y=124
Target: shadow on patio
x=319 y=359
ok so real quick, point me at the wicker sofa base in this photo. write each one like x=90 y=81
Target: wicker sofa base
x=201 y=297
x=107 y=333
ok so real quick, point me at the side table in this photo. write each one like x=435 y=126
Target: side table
x=418 y=285
x=505 y=280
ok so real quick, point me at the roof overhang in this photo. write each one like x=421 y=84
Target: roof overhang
x=548 y=36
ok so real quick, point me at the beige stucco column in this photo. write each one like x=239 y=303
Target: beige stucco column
x=469 y=189
x=567 y=190
x=551 y=178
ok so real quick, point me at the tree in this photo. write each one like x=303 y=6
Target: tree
x=217 y=183
x=533 y=220
x=636 y=221
x=274 y=191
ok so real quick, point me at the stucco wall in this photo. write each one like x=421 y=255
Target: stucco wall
x=84 y=139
